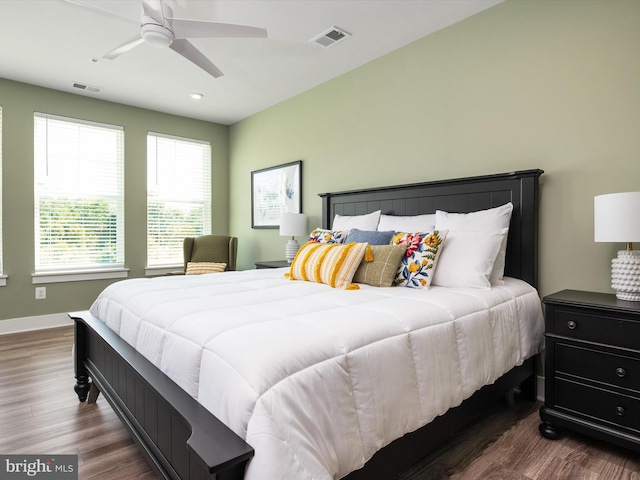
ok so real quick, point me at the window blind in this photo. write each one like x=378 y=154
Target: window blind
x=79 y=194
x=178 y=195
x=1 y=268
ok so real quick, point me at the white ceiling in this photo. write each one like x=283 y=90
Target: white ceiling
x=51 y=43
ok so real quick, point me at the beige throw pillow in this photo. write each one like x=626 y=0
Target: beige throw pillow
x=198 y=268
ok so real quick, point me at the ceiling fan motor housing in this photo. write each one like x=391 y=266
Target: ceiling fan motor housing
x=156 y=35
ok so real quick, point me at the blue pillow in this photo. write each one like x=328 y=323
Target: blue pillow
x=372 y=237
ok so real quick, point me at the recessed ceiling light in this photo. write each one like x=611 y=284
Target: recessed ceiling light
x=197 y=96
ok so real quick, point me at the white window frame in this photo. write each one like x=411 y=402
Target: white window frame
x=193 y=187
x=3 y=278
x=46 y=184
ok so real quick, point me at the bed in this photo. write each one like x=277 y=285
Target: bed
x=168 y=409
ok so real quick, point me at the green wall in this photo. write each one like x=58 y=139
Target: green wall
x=19 y=102
x=525 y=84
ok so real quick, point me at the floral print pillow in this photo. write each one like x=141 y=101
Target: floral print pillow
x=419 y=262
x=320 y=235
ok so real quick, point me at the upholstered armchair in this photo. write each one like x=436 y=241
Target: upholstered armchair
x=211 y=248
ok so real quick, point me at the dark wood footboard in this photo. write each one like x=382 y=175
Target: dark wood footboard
x=179 y=437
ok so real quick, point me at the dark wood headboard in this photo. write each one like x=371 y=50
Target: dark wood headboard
x=460 y=195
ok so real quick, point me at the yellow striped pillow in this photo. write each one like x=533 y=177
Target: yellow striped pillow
x=332 y=264
x=198 y=268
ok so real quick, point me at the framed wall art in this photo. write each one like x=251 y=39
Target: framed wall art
x=275 y=190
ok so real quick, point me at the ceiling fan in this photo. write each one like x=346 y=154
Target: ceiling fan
x=159 y=28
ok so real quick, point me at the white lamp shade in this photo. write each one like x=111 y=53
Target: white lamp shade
x=293 y=224
x=617 y=217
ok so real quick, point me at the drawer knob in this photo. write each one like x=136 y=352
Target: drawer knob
x=620 y=411
x=572 y=325
x=621 y=372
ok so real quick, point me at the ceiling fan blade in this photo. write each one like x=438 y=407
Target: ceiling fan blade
x=184 y=28
x=124 y=48
x=191 y=53
x=151 y=12
x=100 y=10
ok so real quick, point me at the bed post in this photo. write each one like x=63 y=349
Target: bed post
x=80 y=355
x=326 y=211
x=529 y=201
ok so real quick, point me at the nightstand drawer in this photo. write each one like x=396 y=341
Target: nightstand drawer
x=602 y=405
x=603 y=367
x=574 y=323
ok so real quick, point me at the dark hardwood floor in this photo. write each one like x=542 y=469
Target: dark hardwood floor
x=40 y=414
x=506 y=445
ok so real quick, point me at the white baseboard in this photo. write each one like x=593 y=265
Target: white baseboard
x=40 y=322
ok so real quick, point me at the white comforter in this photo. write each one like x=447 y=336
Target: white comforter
x=316 y=379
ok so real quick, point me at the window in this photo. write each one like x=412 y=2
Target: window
x=79 y=197
x=178 y=196
x=3 y=278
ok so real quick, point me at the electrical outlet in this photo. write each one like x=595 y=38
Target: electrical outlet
x=41 y=293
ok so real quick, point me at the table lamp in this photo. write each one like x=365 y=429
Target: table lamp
x=292 y=225
x=617 y=219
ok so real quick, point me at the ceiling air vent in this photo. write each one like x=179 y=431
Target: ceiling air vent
x=330 y=37
x=88 y=88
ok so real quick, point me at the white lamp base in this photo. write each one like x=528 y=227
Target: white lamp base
x=625 y=275
x=291 y=249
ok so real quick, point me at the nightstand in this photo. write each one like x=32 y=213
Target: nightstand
x=273 y=264
x=592 y=367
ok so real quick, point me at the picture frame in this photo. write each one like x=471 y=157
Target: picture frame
x=275 y=190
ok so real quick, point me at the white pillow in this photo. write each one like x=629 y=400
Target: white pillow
x=409 y=223
x=467 y=258
x=491 y=219
x=361 y=222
